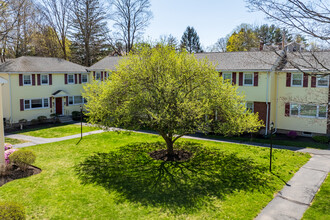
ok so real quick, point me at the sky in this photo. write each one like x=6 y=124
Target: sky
x=212 y=19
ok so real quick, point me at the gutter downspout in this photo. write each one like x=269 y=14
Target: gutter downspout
x=267 y=114
x=275 y=130
x=10 y=101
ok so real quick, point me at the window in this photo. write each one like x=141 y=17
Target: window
x=45 y=103
x=44 y=79
x=226 y=77
x=106 y=75
x=26 y=104
x=75 y=100
x=84 y=78
x=322 y=111
x=249 y=106
x=97 y=76
x=297 y=79
x=294 y=110
x=36 y=103
x=248 y=79
x=27 y=80
x=70 y=100
x=71 y=79
x=322 y=81
x=308 y=110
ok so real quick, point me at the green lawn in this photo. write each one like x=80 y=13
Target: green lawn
x=14 y=141
x=293 y=143
x=56 y=131
x=57 y=193
x=320 y=208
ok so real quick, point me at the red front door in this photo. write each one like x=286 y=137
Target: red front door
x=59 y=106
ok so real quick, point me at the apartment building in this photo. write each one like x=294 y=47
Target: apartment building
x=41 y=86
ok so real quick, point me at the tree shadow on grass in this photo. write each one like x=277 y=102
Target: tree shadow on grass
x=190 y=184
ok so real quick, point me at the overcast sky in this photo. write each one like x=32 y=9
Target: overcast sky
x=211 y=19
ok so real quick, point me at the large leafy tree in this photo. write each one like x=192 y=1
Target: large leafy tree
x=190 y=41
x=170 y=92
x=243 y=40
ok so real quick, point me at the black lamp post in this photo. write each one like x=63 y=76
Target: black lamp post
x=81 y=117
x=271 y=146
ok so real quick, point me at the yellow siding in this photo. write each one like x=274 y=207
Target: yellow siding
x=300 y=95
x=41 y=91
x=254 y=93
x=6 y=97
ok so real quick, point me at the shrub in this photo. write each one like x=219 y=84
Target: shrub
x=8 y=146
x=11 y=210
x=292 y=134
x=8 y=153
x=76 y=115
x=34 y=121
x=321 y=139
x=42 y=119
x=22 y=158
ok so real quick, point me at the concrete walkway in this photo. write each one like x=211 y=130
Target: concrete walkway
x=37 y=140
x=290 y=203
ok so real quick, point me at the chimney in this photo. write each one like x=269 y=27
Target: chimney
x=283 y=40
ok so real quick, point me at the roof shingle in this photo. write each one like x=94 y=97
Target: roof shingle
x=40 y=64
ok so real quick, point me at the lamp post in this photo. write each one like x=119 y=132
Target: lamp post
x=271 y=146
x=81 y=116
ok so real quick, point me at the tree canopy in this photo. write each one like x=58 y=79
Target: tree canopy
x=190 y=41
x=170 y=92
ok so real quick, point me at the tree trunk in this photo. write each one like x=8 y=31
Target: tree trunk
x=169 y=144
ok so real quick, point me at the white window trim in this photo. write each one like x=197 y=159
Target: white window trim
x=42 y=102
x=317 y=82
x=47 y=79
x=83 y=100
x=244 y=79
x=252 y=110
x=302 y=80
x=82 y=78
x=73 y=79
x=305 y=116
x=98 y=73
x=25 y=84
x=231 y=77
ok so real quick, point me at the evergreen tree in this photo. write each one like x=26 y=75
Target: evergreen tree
x=190 y=41
x=88 y=31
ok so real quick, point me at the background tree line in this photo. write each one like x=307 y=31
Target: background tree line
x=76 y=30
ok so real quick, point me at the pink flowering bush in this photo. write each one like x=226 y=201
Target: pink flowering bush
x=8 y=146
x=7 y=153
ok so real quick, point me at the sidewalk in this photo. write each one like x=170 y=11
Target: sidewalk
x=37 y=140
x=290 y=203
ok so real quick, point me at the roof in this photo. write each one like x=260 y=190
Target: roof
x=255 y=60
x=249 y=61
x=106 y=63
x=40 y=64
x=312 y=61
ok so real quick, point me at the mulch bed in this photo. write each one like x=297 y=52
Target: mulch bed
x=16 y=173
x=179 y=155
